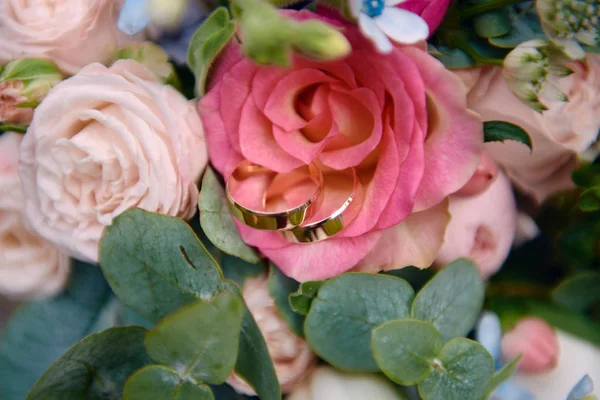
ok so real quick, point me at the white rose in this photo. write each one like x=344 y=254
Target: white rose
x=292 y=357
x=104 y=141
x=29 y=265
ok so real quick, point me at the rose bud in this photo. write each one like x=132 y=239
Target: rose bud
x=319 y=41
x=292 y=357
x=536 y=341
x=484 y=175
x=23 y=84
x=482 y=228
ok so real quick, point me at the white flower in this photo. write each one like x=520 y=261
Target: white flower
x=380 y=19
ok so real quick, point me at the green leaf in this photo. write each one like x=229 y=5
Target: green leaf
x=158 y=382
x=578 y=292
x=464 y=369
x=200 y=340
x=95 y=368
x=217 y=222
x=156 y=264
x=206 y=44
x=254 y=363
x=239 y=270
x=13 y=128
x=499 y=131
x=338 y=326
x=525 y=27
x=406 y=349
x=589 y=200
x=452 y=300
x=41 y=331
x=301 y=300
x=493 y=24
x=28 y=69
x=280 y=288
x=453 y=58
x=501 y=376
x=587 y=176
x=417 y=277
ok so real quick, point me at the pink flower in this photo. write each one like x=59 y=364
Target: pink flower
x=536 y=341
x=10 y=97
x=432 y=11
x=558 y=134
x=399 y=120
x=71 y=33
x=482 y=227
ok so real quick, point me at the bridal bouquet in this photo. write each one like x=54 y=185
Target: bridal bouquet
x=330 y=200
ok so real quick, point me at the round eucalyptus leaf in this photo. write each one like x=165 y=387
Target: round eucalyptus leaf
x=492 y=24
x=158 y=382
x=406 y=349
x=346 y=309
x=200 y=340
x=463 y=372
x=94 y=368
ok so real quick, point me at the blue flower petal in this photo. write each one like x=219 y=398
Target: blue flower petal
x=489 y=333
x=511 y=391
x=584 y=387
x=134 y=17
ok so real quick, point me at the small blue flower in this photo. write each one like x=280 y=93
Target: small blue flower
x=133 y=17
x=373 y=8
x=583 y=388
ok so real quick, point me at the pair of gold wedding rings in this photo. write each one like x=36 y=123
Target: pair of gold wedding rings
x=302 y=221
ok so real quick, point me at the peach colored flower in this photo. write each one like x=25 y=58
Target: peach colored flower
x=558 y=134
x=399 y=120
x=71 y=33
x=104 y=141
x=535 y=341
x=482 y=227
x=10 y=97
x=292 y=357
x=29 y=265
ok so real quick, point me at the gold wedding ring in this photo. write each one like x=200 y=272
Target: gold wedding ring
x=276 y=184
x=323 y=228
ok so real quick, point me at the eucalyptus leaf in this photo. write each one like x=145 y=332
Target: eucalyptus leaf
x=492 y=24
x=524 y=27
x=462 y=372
x=41 y=331
x=217 y=221
x=158 y=382
x=452 y=300
x=301 y=300
x=254 y=363
x=589 y=200
x=206 y=44
x=406 y=349
x=338 y=326
x=501 y=376
x=499 y=131
x=156 y=264
x=239 y=270
x=453 y=58
x=95 y=368
x=280 y=288
x=199 y=340
x=578 y=292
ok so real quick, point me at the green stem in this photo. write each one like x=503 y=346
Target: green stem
x=464 y=45
x=487 y=6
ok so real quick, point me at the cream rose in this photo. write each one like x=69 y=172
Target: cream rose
x=29 y=265
x=558 y=134
x=71 y=33
x=104 y=141
x=291 y=356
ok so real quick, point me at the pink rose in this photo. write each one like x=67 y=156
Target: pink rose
x=29 y=265
x=482 y=227
x=400 y=121
x=104 y=141
x=432 y=11
x=292 y=358
x=10 y=97
x=71 y=33
x=537 y=343
x=558 y=134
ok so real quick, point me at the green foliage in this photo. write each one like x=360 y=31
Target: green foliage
x=499 y=131
x=301 y=300
x=280 y=288
x=493 y=24
x=157 y=382
x=578 y=292
x=156 y=264
x=338 y=326
x=217 y=222
x=406 y=349
x=501 y=376
x=96 y=367
x=239 y=270
x=199 y=340
x=452 y=300
x=206 y=44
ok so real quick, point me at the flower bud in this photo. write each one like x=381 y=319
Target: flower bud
x=152 y=57
x=23 y=84
x=320 y=41
x=537 y=343
x=484 y=175
x=166 y=13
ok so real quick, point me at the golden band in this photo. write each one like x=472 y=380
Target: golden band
x=324 y=228
x=277 y=186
